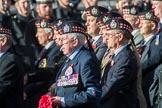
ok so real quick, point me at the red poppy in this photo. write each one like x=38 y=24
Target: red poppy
x=94 y=46
x=45 y=102
x=112 y=63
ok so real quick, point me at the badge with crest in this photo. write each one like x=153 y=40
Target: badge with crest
x=94 y=11
x=148 y=15
x=43 y=24
x=66 y=28
x=105 y=18
x=113 y=24
x=133 y=10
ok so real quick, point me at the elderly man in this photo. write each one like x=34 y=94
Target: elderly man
x=119 y=82
x=11 y=73
x=77 y=84
x=150 y=50
x=130 y=13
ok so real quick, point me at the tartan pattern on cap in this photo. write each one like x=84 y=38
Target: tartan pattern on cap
x=95 y=11
x=71 y=27
x=118 y=24
x=148 y=16
x=106 y=17
x=44 y=23
x=125 y=11
x=5 y=31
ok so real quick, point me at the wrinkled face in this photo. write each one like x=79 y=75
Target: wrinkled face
x=157 y=8
x=57 y=38
x=67 y=44
x=42 y=36
x=44 y=10
x=110 y=38
x=145 y=27
x=23 y=7
x=102 y=31
x=6 y=3
x=92 y=27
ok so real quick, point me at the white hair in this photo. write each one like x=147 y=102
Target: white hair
x=48 y=30
x=81 y=37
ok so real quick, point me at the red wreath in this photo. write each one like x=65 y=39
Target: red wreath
x=45 y=102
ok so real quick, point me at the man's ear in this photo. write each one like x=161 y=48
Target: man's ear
x=50 y=35
x=120 y=36
x=75 y=42
x=3 y=41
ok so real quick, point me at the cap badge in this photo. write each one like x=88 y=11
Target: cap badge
x=133 y=10
x=113 y=24
x=66 y=28
x=94 y=11
x=148 y=15
x=43 y=24
x=105 y=18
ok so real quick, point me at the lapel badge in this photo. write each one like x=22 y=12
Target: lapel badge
x=94 y=11
x=43 y=24
x=105 y=18
x=66 y=28
x=148 y=15
x=113 y=24
x=69 y=70
x=133 y=10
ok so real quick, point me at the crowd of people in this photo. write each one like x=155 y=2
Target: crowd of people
x=91 y=58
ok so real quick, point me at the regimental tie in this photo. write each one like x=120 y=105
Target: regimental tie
x=107 y=66
x=106 y=58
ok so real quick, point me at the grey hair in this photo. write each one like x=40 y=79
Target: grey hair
x=125 y=33
x=48 y=30
x=81 y=37
x=9 y=38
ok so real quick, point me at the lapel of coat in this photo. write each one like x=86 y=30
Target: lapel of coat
x=146 y=49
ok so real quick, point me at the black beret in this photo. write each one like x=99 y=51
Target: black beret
x=44 y=23
x=118 y=24
x=107 y=16
x=95 y=11
x=71 y=26
x=148 y=15
x=4 y=29
x=131 y=10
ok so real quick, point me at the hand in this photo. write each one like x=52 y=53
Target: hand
x=56 y=101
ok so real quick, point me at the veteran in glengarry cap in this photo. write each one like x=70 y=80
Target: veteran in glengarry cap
x=119 y=82
x=77 y=82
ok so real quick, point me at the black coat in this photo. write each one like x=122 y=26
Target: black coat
x=11 y=81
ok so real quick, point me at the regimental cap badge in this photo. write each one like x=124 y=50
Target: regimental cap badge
x=148 y=15
x=43 y=24
x=105 y=18
x=113 y=24
x=133 y=11
x=66 y=28
x=94 y=11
